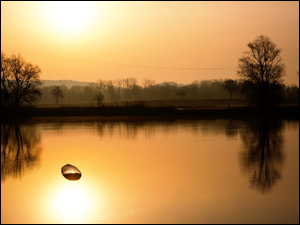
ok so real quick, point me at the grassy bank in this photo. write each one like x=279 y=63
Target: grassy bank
x=188 y=108
x=291 y=112
x=191 y=103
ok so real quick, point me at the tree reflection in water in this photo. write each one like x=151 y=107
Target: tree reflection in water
x=20 y=149
x=231 y=129
x=262 y=157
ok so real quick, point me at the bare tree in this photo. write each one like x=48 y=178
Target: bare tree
x=20 y=81
x=231 y=86
x=98 y=98
x=147 y=83
x=262 y=69
x=57 y=93
x=181 y=93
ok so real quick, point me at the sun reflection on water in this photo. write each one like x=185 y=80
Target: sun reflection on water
x=72 y=202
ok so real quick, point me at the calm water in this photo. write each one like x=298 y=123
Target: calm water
x=181 y=171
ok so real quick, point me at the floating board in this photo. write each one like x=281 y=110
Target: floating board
x=71 y=172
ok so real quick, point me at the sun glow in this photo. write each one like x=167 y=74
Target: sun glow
x=72 y=202
x=71 y=17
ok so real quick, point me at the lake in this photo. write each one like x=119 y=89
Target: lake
x=151 y=171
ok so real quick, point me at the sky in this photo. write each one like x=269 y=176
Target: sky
x=179 y=41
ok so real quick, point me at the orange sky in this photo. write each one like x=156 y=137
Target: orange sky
x=176 y=41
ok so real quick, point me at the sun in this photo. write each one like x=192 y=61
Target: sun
x=70 y=17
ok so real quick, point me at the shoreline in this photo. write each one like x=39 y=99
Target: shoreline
x=89 y=113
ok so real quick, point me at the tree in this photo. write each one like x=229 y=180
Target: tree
x=98 y=98
x=57 y=93
x=262 y=70
x=231 y=86
x=181 y=93
x=147 y=83
x=20 y=81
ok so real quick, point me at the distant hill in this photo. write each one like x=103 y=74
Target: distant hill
x=171 y=83
x=68 y=83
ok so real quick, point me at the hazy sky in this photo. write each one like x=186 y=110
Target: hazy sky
x=178 y=41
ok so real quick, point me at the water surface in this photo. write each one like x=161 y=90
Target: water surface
x=151 y=171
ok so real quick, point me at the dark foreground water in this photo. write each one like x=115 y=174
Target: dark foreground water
x=139 y=171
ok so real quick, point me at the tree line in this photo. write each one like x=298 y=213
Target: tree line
x=128 y=90
x=260 y=80
x=105 y=91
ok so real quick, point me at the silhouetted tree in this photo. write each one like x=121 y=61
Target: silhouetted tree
x=231 y=86
x=181 y=93
x=57 y=93
x=98 y=98
x=20 y=81
x=262 y=69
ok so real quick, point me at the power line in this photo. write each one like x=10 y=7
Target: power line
x=122 y=64
x=45 y=55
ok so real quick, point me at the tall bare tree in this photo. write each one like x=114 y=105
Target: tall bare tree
x=20 y=81
x=262 y=69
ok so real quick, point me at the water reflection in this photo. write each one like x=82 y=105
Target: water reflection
x=71 y=202
x=151 y=171
x=20 y=149
x=131 y=129
x=231 y=129
x=262 y=157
